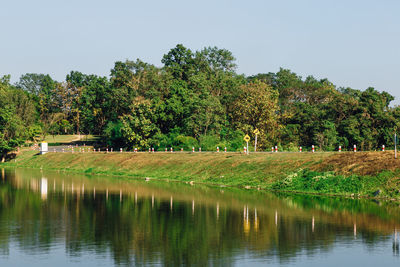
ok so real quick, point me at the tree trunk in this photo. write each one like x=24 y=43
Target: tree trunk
x=3 y=158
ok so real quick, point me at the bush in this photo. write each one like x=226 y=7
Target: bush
x=113 y=135
x=325 y=182
x=236 y=141
x=186 y=142
x=209 y=142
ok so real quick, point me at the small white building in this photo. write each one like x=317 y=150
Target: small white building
x=44 y=148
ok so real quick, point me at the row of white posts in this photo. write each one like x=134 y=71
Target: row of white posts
x=44 y=149
x=275 y=149
x=151 y=150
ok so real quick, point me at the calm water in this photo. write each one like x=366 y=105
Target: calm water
x=51 y=219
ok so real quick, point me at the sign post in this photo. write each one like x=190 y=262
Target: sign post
x=256 y=132
x=247 y=139
x=395 y=142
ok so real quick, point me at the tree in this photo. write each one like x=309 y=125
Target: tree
x=41 y=87
x=180 y=62
x=208 y=115
x=67 y=100
x=93 y=104
x=213 y=59
x=326 y=136
x=15 y=123
x=123 y=88
x=137 y=127
x=36 y=84
x=257 y=108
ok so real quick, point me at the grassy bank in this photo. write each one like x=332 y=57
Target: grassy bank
x=364 y=173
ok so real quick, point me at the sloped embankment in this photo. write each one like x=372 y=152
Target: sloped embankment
x=361 y=163
x=257 y=169
x=362 y=173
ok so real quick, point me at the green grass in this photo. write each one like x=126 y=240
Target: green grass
x=61 y=138
x=66 y=139
x=305 y=180
x=292 y=172
x=69 y=138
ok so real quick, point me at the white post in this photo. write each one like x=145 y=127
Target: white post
x=255 y=144
x=395 y=145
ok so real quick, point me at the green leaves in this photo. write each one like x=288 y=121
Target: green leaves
x=16 y=113
x=198 y=94
x=256 y=108
x=137 y=128
x=180 y=62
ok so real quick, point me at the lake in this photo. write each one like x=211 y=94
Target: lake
x=60 y=219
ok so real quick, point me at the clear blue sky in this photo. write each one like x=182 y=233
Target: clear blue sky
x=353 y=43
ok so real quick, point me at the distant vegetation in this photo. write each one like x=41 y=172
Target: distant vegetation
x=194 y=99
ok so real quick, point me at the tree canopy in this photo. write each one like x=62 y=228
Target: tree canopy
x=195 y=98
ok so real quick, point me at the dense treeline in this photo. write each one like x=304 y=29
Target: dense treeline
x=18 y=119
x=195 y=99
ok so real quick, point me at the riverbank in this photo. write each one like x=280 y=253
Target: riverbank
x=367 y=174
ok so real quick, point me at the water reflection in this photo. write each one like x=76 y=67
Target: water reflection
x=138 y=222
x=43 y=188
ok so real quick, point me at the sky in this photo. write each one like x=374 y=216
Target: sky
x=352 y=43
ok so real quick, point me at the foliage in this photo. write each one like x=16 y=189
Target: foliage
x=137 y=127
x=196 y=98
x=256 y=108
x=305 y=180
x=17 y=115
x=113 y=134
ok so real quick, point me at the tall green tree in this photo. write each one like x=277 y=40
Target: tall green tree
x=138 y=128
x=257 y=108
x=17 y=116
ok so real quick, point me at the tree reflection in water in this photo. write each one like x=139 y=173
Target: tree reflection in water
x=169 y=223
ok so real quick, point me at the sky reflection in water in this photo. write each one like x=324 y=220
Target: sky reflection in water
x=49 y=219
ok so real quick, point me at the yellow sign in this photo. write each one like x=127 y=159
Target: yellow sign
x=256 y=131
x=247 y=138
